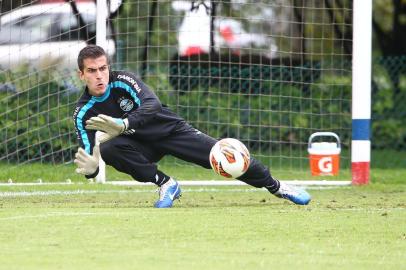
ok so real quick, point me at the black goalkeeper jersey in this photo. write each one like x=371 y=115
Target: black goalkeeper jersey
x=126 y=97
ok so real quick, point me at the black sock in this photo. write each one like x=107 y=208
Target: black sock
x=161 y=178
x=274 y=186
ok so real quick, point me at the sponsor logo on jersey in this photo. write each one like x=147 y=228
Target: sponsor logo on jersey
x=131 y=81
x=129 y=132
x=126 y=104
x=75 y=113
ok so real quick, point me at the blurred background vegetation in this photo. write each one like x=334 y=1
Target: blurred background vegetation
x=271 y=104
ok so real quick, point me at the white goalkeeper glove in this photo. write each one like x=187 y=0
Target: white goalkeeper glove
x=87 y=164
x=112 y=127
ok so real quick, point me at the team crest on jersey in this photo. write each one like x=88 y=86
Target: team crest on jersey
x=126 y=104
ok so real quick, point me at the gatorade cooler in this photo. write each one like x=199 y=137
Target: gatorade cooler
x=324 y=157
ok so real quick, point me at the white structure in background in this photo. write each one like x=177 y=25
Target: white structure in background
x=45 y=35
x=361 y=92
x=194 y=32
x=101 y=24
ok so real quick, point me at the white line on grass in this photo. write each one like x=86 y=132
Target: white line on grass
x=302 y=183
x=48 y=215
x=115 y=213
x=84 y=192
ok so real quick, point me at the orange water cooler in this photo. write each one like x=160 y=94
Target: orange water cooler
x=324 y=156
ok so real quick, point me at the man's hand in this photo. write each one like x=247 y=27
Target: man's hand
x=112 y=127
x=87 y=164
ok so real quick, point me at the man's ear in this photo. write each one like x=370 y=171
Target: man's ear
x=80 y=74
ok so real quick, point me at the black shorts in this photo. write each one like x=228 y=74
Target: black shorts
x=138 y=158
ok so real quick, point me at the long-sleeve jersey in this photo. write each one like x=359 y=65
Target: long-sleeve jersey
x=125 y=97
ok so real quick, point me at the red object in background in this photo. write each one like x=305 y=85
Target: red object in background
x=360 y=173
x=192 y=50
x=227 y=34
x=327 y=164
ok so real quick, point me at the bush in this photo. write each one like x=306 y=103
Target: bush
x=36 y=113
x=282 y=119
x=388 y=98
x=36 y=120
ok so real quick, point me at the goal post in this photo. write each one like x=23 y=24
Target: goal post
x=361 y=92
x=101 y=23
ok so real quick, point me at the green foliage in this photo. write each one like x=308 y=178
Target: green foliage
x=292 y=101
x=35 y=119
x=280 y=116
x=132 y=34
x=234 y=74
x=389 y=96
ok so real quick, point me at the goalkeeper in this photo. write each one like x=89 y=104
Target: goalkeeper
x=138 y=131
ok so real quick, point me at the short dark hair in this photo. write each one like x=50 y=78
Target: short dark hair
x=90 y=51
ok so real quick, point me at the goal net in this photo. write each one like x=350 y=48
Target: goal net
x=269 y=73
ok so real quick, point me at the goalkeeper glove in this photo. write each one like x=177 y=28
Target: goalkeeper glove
x=112 y=127
x=87 y=164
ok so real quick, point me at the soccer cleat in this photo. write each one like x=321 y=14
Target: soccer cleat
x=168 y=192
x=293 y=194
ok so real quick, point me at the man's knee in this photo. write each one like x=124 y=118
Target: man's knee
x=109 y=150
x=128 y=160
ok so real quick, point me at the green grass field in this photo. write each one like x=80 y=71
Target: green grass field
x=92 y=226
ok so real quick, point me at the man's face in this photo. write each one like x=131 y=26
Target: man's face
x=95 y=74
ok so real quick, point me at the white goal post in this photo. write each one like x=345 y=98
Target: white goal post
x=361 y=92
